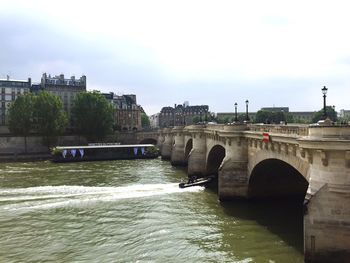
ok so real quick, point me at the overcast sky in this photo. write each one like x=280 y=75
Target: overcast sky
x=274 y=53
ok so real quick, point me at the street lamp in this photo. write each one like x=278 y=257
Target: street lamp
x=200 y=118
x=236 y=119
x=324 y=91
x=246 y=108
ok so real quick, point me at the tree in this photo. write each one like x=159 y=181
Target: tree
x=49 y=116
x=195 y=119
x=270 y=116
x=145 y=122
x=224 y=120
x=20 y=118
x=263 y=116
x=93 y=115
x=319 y=115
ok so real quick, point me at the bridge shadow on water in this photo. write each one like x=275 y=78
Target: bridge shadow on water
x=283 y=217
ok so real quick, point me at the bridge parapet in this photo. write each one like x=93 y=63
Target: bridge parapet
x=301 y=130
x=337 y=132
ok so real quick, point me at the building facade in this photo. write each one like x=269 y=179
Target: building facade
x=276 y=109
x=344 y=114
x=154 y=121
x=127 y=114
x=183 y=115
x=66 y=89
x=10 y=90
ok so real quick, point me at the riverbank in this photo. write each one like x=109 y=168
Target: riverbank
x=24 y=157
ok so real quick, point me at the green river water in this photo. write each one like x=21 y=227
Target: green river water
x=134 y=211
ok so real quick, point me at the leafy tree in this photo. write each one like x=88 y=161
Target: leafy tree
x=49 y=116
x=319 y=115
x=241 y=117
x=20 y=119
x=145 y=122
x=263 y=116
x=195 y=119
x=289 y=117
x=224 y=120
x=93 y=115
x=270 y=116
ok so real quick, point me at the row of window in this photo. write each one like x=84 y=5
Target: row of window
x=11 y=90
x=14 y=84
x=185 y=113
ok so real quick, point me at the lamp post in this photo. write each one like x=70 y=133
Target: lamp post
x=236 y=119
x=200 y=116
x=324 y=91
x=246 y=108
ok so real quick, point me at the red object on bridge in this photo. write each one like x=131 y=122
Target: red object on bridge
x=266 y=137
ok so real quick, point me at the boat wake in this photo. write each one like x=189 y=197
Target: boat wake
x=50 y=197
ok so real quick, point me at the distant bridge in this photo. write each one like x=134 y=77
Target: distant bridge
x=141 y=137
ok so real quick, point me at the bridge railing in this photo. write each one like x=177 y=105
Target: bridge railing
x=301 y=130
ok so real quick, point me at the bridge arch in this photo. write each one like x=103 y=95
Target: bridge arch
x=148 y=141
x=303 y=167
x=215 y=157
x=273 y=178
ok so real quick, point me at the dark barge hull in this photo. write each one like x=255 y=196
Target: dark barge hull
x=104 y=153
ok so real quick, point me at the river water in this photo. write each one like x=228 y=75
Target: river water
x=134 y=211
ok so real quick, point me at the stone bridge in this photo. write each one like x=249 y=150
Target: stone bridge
x=139 y=137
x=265 y=161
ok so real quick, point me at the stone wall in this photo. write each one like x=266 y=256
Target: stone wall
x=10 y=145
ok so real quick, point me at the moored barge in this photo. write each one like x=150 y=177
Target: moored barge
x=104 y=152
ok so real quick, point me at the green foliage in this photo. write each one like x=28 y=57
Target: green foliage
x=50 y=118
x=343 y=120
x=145 y=123
x=319 y=115
x=93 y=115
x=289 y=118
x=152 y=151
x=263 y=116
x=20 y=119
x=56 y=152
x=195 y=119
x=224 y=120
x=241 y=117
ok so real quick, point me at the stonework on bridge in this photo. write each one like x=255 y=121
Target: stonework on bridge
x=308 y=163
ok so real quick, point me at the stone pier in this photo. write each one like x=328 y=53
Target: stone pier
x=167 y=144
x=197 y=157
x=233 y=178
x=327 y=215
x=177 y=152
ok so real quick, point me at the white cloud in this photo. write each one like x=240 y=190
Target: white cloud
x=213 y=46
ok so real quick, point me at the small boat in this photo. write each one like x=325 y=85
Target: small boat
x=196 y=182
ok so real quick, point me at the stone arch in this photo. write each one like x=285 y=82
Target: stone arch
x=215 y=157
x=303 y=167
x=274 y=178
x=188 y=148
x=148 y=141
